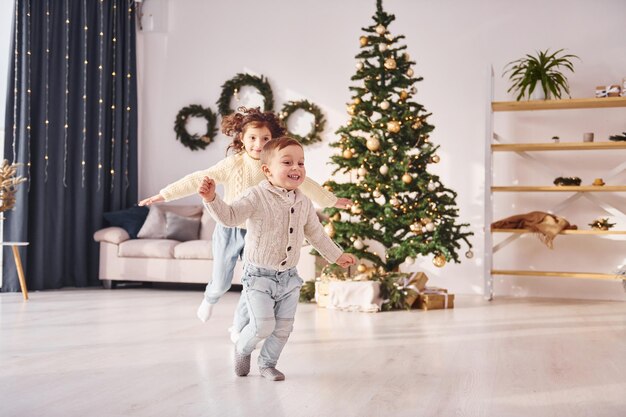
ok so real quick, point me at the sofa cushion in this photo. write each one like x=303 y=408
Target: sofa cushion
x=114 y=235
x=155 y=226
x=181 y=228
x=194 y=249
x=147 y=248
x=131 y=219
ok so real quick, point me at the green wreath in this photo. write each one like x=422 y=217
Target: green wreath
x=233 y=86
x=318 y=123
x=195 y=142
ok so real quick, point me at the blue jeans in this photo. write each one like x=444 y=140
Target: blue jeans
x=227 y=245
x=272 y=299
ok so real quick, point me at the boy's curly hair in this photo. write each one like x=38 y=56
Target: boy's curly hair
x=235 y=125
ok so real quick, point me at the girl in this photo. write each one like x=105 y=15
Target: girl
x=250 y=129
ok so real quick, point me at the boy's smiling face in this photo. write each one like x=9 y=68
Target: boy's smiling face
x=286 y=167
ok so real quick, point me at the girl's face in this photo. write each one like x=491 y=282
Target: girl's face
x=254 y=139
x=286 y=168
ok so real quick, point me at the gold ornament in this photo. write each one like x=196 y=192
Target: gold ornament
x=416 y=228
x=384 y=105
x=409 y=72
x=358 y=244
x=351 y=109
x=330 y=230
x=384 y=169
x=439 y=261
x=356 y=209
x=373 y=144
x=390 y=63
x=393 y=126
x=380 y=29
x=347 y=154
x=362 y=171
x=361 y=268
x=363 y=40
x=404 y=95
x=406 y=178
x=357 y=101
x=469 y=254
x=417 y=124
x=336 y=217
x=435 y=159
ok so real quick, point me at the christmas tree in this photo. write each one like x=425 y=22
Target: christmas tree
x=385 y=152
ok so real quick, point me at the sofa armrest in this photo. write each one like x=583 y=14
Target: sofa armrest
x=114 y=235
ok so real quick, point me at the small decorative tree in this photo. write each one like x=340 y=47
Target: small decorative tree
x=8 y=185
x=385 y=148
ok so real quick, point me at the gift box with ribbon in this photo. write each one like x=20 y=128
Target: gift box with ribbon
x=321 y=293
x=415 y=284
x=433 y=298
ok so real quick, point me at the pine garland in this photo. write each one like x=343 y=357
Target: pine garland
x=317 y=127
x=195 y=142
x=233 y=86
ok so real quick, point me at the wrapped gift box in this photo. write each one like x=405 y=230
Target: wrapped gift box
x=361 y=296
x=433 y=298
x=417 y=283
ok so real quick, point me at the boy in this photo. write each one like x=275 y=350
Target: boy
x=279 y=217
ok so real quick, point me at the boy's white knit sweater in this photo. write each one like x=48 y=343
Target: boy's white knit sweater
x=237 y=173
x=276 y=226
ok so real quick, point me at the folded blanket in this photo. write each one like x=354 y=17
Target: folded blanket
x=545 y=225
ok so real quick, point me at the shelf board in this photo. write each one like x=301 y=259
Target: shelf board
x=557 y=274
x=571 y=103
x=563 y=146
x=560 y=188
x=566 y=232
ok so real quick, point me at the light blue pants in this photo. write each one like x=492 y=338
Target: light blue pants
x=228 y=243
x=272 y=299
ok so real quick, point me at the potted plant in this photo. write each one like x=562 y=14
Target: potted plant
x=540 y=74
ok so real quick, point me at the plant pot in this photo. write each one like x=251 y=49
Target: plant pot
x=538 y=93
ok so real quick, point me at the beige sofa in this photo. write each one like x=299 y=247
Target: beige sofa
x=169 y=260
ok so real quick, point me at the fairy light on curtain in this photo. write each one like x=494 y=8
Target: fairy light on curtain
x=28 y=90
x=113 y=73
x=128 y=78
x=100 y=98
x=67 y=87
x=15 y=78
x=85 y=64
x=47 y=92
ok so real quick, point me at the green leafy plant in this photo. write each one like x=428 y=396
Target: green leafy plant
x=542 y=71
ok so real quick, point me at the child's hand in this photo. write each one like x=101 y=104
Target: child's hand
x=343 y=203
x=207 y=189
x=151 y=200
x=345 y=260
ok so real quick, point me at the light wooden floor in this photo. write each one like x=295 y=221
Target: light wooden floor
x=142 y=352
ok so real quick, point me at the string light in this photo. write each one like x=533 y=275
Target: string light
x=113 y=97
x=67 y=91
x=47 y=93
x=15 y=79
x=129 y=16
x=84 y=93
x=100 y=99
x=28 y=91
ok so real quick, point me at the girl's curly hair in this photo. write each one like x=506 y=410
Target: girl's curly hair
x=235 y=125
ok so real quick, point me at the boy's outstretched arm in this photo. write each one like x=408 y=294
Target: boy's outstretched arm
x=229 y=215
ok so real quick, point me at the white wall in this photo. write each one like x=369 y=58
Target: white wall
x=307 y=50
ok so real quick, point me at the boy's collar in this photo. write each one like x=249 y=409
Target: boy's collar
x=277 y=190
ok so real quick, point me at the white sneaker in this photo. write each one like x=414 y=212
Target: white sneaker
x=234 y=335
x=204 y=311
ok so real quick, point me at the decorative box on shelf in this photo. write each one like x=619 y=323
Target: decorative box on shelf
x=433 y=298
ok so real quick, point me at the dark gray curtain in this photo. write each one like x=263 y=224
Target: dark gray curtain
x=71 y=121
